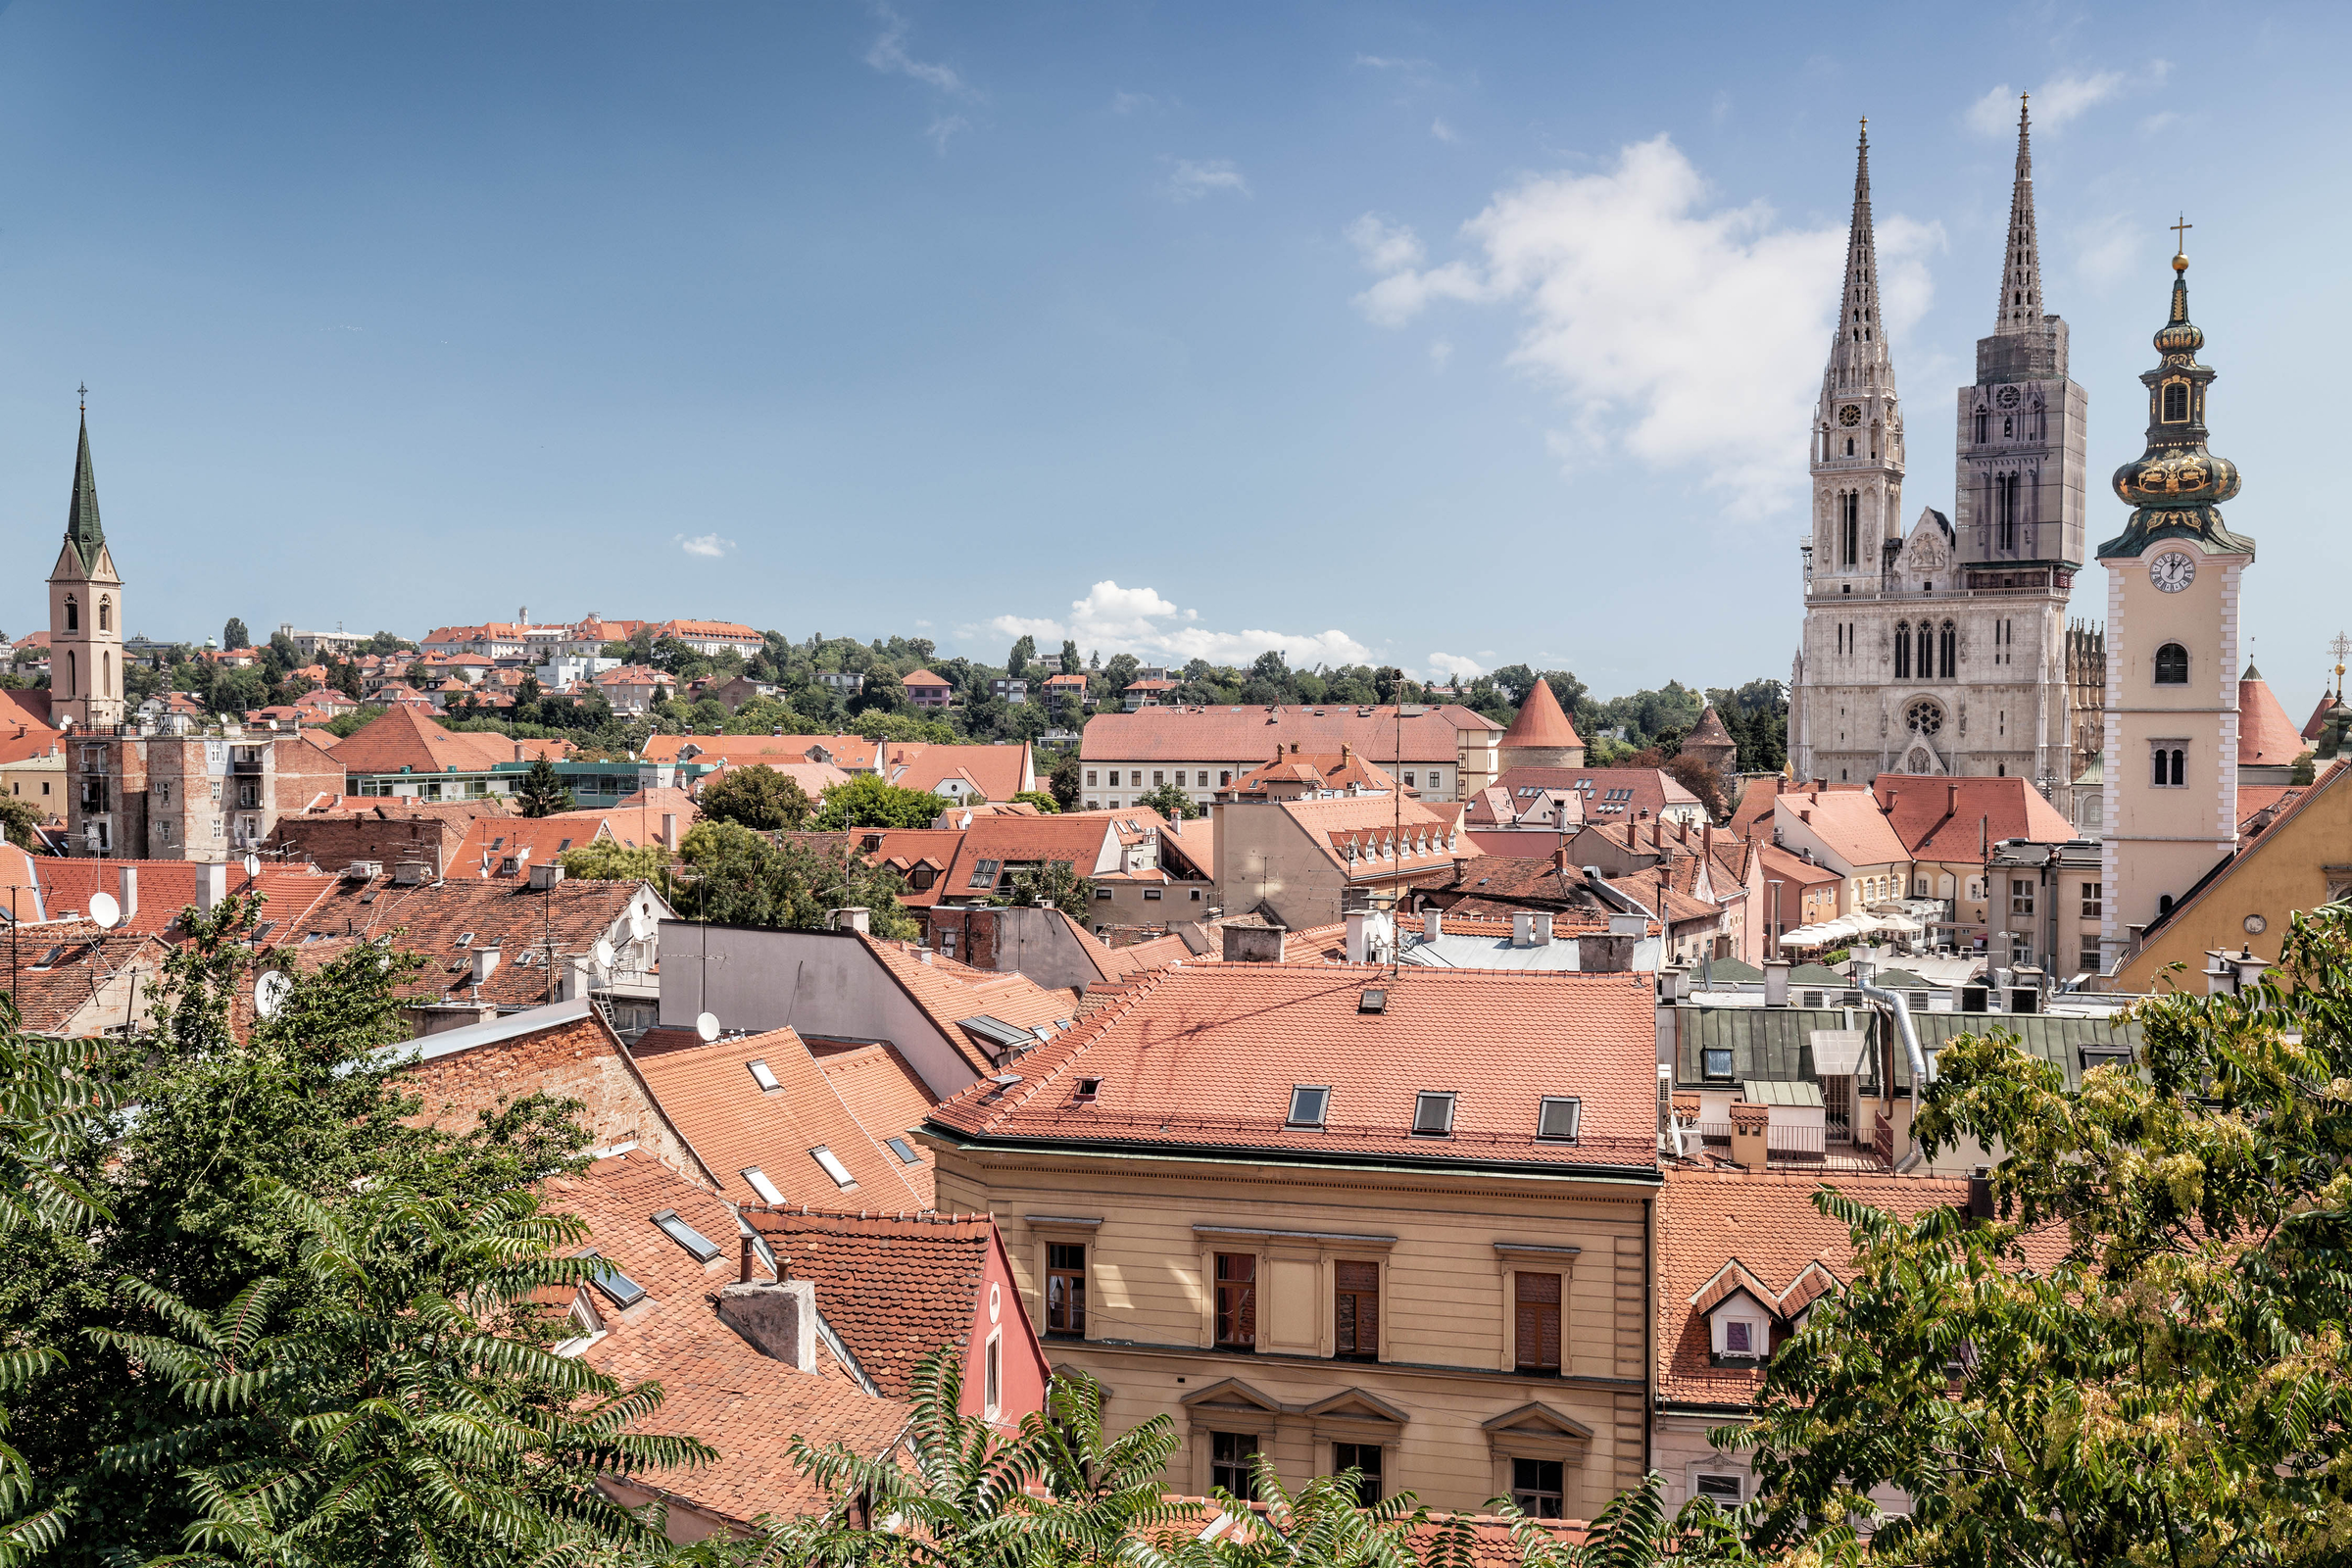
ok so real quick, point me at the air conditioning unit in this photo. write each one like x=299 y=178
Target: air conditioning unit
x=363 y=870
x=410 y=873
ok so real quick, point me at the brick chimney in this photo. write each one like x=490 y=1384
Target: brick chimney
x=778 y=1320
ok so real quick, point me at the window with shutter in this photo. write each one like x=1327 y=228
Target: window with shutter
x=1237 y=1301
x=1536 y=1304
x=1357 y=1312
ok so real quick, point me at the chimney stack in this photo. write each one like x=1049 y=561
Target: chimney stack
x=130 y=893
x=1432 y=924
x=1522 y=930
x=669 y=829
x=212 y=885
x=778 y=1320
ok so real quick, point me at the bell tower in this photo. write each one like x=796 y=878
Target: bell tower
x=2174 y=576
x=85 y=611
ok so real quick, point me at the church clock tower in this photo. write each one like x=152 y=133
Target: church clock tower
x=85 y=612
x=2174 y=576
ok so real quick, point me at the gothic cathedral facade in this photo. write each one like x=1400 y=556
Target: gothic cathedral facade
x=1944 y=648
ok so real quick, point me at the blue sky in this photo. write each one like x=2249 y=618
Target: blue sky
x=1448 y=336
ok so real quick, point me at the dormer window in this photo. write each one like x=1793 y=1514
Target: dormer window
x=1740 y=1332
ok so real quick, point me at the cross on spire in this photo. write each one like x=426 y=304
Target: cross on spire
x=2180 y=235
x=1858 y=356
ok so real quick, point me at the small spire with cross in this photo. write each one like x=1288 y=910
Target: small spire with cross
x=2180 y=235
x=83 y=392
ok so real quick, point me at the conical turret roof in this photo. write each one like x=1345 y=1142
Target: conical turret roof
x=2265 y=734
x=1710 y=732
x=83 y=531
x=1541 y=722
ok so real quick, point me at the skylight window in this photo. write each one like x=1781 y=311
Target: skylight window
x=756 y=1179
x=1088 y=1089
x=1432 y=1114
x=702 y=1249
x=465 y=939
x=1374 y=1001
x=984 y=873
x=762 y=1076
x=831 y=1164
x=1559 y=1118
x=1716 y=1060
x=904 y=1151
x=619 y=1287
x=1308 y=1101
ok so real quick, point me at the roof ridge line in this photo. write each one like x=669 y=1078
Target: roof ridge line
x=1101 y=1022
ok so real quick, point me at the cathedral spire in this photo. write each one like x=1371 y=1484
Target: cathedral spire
x=81 y=513
x=1858 y=356
x=2021 y=266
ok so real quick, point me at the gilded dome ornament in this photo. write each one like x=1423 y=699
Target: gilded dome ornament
x=2176 y=486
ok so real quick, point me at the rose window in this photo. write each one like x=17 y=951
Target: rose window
x=1923 y=718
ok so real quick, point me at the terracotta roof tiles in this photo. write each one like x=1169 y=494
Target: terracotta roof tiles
x=895 y=1290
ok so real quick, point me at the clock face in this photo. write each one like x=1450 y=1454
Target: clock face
x=2007 y=397
x=1850 y=415
x=2171 y=572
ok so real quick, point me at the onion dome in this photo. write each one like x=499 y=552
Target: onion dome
x=2175 y=485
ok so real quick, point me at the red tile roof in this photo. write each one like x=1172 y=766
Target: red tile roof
x=887 y=1096
x=923 y=677
x=53 y=997
x=1088 y=843
x=895 y=1290
x=1942 y=818
x=1367 y=824
x=1206 y=1056
x=405 y=738
x=1541 y=721
x=1608 y=791
x=509 y=846
x=167 y=887
x=849 y=753
x=2265 y=734
x=1242 y=736
x=999 y=773
x=716 y=1385
x=1851 y=826
x=709 y=1093
x=948 y=992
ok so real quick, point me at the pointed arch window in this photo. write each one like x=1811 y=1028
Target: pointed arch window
x=2172 y=665
x=1983 y=425
x=73 y=671
x=72 y=614
x=1951 y=643
x=2004 y=510
x=106 y=673
x=1902 y=650
x=1849 y=506
x=106 y=615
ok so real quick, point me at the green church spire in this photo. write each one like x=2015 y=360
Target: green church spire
x=83 y=531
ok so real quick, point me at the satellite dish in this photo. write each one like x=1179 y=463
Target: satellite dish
x=603 y=953
x=105 y=913
x=707 y=1026
x=269 y=991
x=641 y=925
x=253 y=866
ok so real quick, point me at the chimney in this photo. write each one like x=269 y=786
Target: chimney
x=669 y=829
x=130 y=893
x=852 y=918
x=212 y=885
x=1358 y=937
x=1522 y=930
x=1706 y=840
x=485 y=963
x=1776 y=982
x=1951 y=800
x=1432 y=924
x=778 y=1320
x=1541 y=934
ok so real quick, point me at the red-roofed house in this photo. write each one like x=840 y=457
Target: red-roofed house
x=1301 y=860
x=1343 y=1217
x=1440 y=752
x=961 y=773
x=925 y=690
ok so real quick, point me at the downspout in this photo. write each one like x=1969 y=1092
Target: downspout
x=1892 y=1002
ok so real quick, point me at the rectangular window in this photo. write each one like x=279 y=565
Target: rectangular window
x=830 y=1163
x=1228 y=1457
x=1717 y=1061
x=993 y=1376
x=1158 y=776
x=1538 y=1487
x=1364 y=1459
x=1065 y=1288
x=1202 y=778
x=1557 y=1119
x=2089 y=958
x=701 y=1247
x=1432 y=1114
x=1089 y=778
x=2021 y=896
x=1723 y=1490
x=1536 y=1321
x=1356 y=1311
x=984 y=872
x=759 y=1183
x=1408 y=778
x=1150 y=894
x=2093 y=900
x=1102 y=894
x=1736 y=1339
x=1237 y=1301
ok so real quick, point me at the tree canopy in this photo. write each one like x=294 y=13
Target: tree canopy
x=867 y=801
x=757 y=796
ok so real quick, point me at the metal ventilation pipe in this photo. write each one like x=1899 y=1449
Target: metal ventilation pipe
x=1892 y=1002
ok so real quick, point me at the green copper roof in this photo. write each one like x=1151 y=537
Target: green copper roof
x=82 y=514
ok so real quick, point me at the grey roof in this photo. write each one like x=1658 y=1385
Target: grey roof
x=450 y=1042
x=81 y=513
x=1780 y=1092
x=1765 y=1043
x=1776 y=1042
x=1725 y=972
x=1497 y=952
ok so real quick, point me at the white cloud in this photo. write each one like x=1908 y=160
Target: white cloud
x=704 y=544
x=1440 y=351
x=1139 y=621
x=1128 y=103
x=1679 y=330
x=1457 y=667
x=943 y=129
x=1193 y=180
x=1442 y=131
x=2054 y=102
x=1392 y=63
x=1384 y=246
x=2105 y=249
x=889 y=54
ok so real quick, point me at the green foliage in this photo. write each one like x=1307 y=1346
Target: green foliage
x=1057 y=883
x=1321 y=1525
x=1758 y=717
x=1069 y=658
x=2142 y=1359
x=357 y=719
x=2305 y=769
x=542 y=792
x=19 y=818
x=734 y=876
x=607 y=861
x=1172 y=802
x=888 y=726
x=1634 y=1531
x=1062 y=780
x=757 y=796
x=234 y=634
x=1039 y=799
x=867 y=801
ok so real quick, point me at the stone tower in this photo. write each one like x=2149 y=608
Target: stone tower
x=2174 y=576
x=1540 y=736
x=85 y=612
x=1941 y=651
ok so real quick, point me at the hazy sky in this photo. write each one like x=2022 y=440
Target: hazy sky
x=1451 y=336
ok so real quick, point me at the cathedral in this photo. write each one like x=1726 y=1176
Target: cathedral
x=1944 y=648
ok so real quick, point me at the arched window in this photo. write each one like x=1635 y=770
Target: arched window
x=1850 y=510
x=1951 y=648
x=1902 y=650
x=106 y=673
x=2175 y=402
x=1982 y=419
x=2172 y=665
x=1850 y=446
x=72 y=614
x=72 y=667
x=2004 y=510
x=2168 y=769
x=106 y=615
